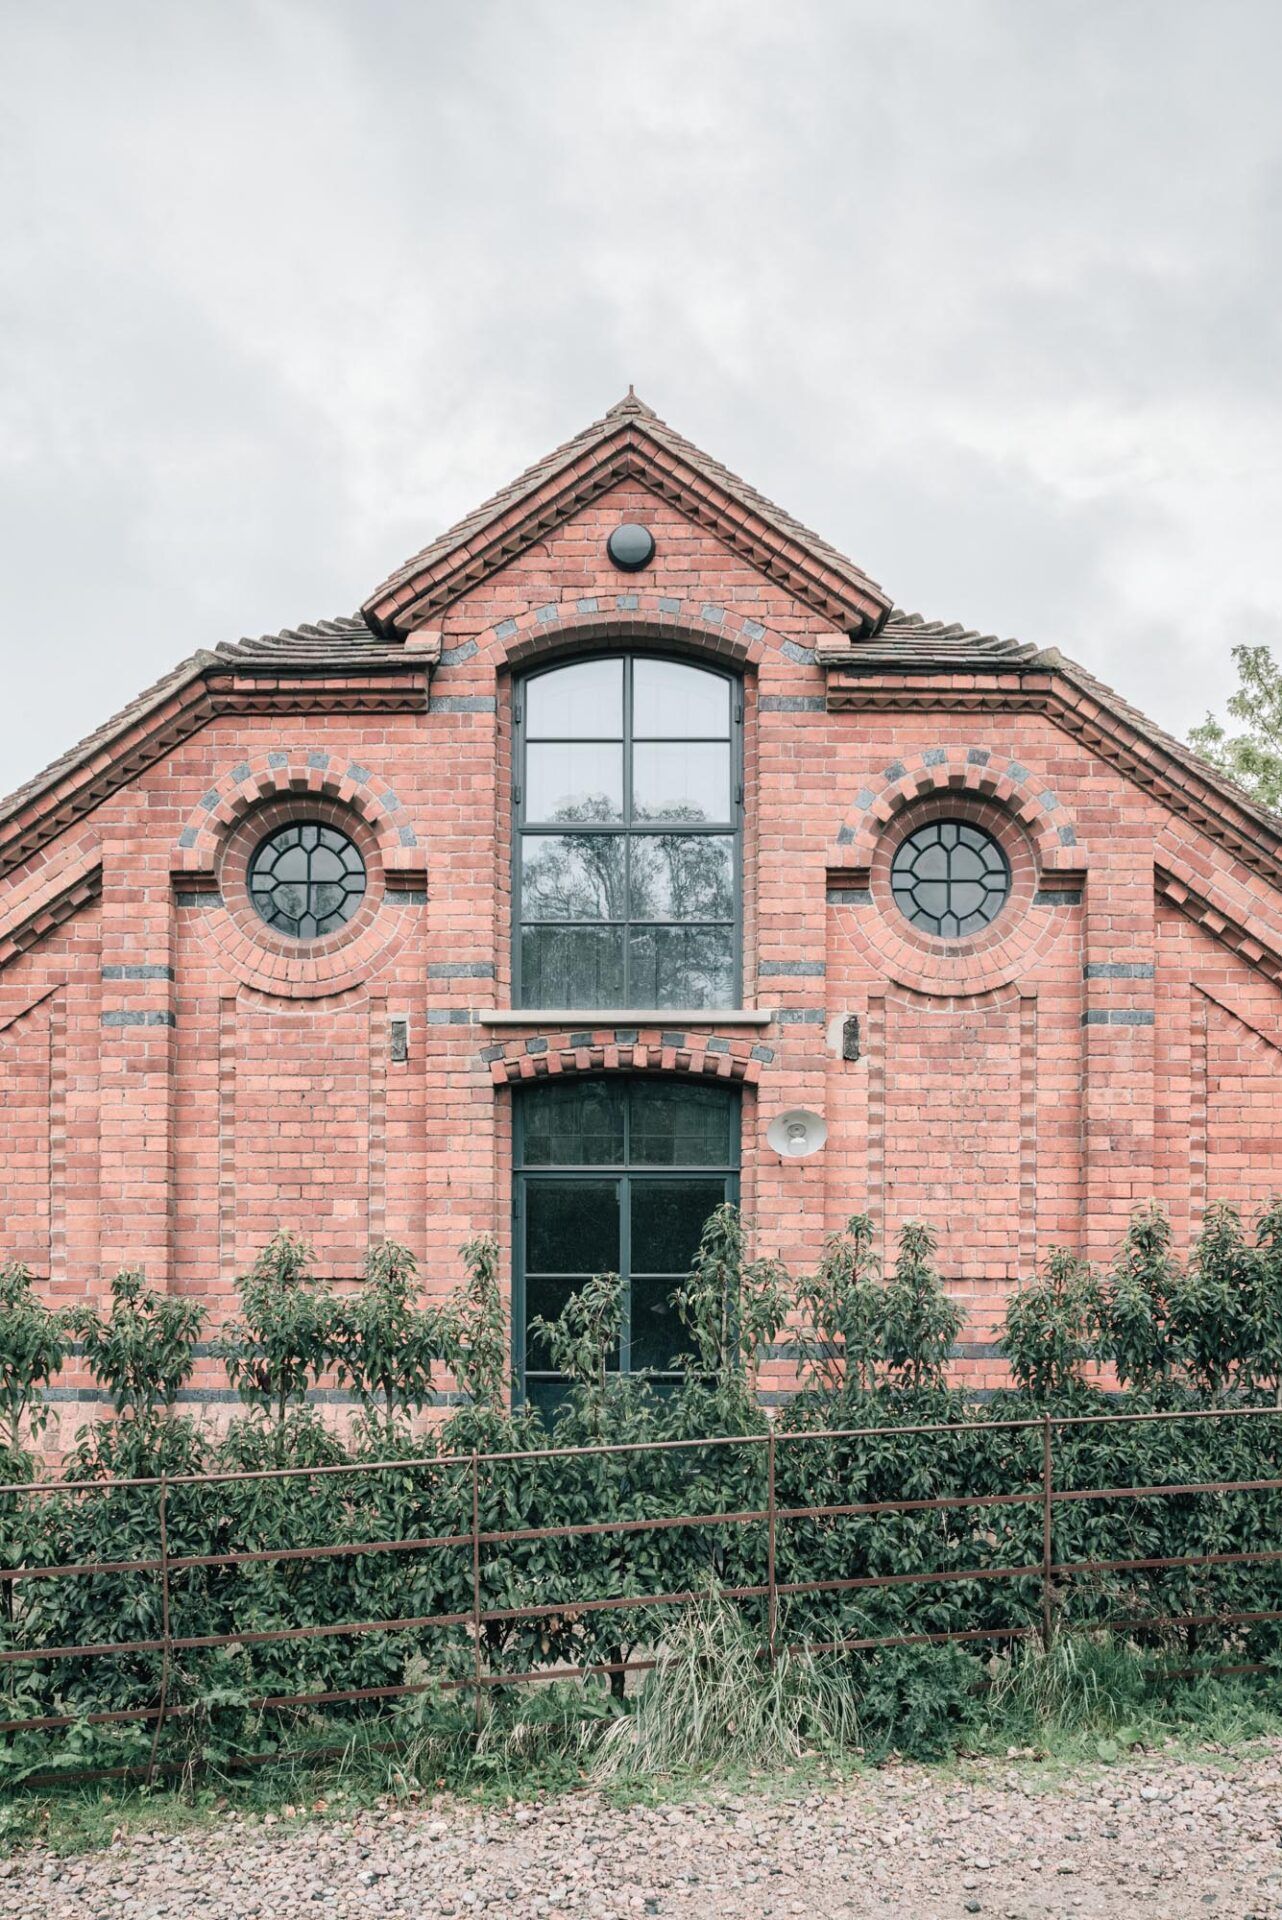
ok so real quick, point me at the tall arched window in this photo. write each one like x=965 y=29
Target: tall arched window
x=615 y=1175
x=627 y=800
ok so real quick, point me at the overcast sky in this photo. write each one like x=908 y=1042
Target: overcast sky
x=987 y=292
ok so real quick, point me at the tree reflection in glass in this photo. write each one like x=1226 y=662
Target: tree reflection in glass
x=627 y=894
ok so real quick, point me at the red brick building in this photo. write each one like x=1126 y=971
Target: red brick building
x=529 y=898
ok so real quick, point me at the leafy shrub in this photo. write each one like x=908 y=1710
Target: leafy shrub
x=33 y=1345
x=1052 y=1328
x=920 y=1322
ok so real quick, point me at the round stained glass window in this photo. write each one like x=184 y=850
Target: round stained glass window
x=950 y=878
x=306 y=879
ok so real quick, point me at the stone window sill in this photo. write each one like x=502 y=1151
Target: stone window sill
x=586 y=1018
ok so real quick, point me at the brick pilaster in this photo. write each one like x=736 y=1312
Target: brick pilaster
x=1118 y=1055
x=137 y=1040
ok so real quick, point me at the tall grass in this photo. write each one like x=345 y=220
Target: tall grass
x=714 y=1702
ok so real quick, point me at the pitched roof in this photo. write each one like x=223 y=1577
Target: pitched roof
x=630 y=439
x=873 y=638
x=325 y=646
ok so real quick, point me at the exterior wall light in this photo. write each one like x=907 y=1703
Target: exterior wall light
x=797 y=1133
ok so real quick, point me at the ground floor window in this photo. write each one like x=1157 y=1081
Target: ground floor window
x=615 y=1175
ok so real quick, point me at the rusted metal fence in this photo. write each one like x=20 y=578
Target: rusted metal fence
x=1051 y=1575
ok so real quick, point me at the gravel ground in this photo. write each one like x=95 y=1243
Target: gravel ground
x=1154 y=1837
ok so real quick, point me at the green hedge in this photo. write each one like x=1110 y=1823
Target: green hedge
x=1181 y=1338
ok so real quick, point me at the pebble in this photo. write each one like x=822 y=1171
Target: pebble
x=902 y=1843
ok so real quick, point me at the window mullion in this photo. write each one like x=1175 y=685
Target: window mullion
x=625 y=1274
x=627 y=829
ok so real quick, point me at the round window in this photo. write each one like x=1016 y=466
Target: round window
x=950 y=878
x=305 y=879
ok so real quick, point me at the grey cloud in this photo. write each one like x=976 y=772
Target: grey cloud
x=987 y=293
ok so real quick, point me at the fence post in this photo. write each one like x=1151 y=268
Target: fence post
x=772 y=1596
x=476 y=1579
x=166 y=1637
x=1048 y=1558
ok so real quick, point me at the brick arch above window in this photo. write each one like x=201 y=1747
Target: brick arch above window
x=298 y=774
x=639 y=619
x=1047 y=865
x=550 y=1055
x=966 y=771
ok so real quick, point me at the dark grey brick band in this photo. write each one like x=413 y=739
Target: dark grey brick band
x=463 y=703
x=138 y=1017
x=145 y=971
x=450 y=1017
x=804 y=656
x=1117 y=1017
x=792 y=969
x=849 y=896
x=183 y=898
x=1058 y=897
x=792 y=703
x=801 y=1016
x=1119 y=970
x=460 y=970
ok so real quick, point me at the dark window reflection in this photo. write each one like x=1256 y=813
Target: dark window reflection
x=639 y=1222
x=626 y=771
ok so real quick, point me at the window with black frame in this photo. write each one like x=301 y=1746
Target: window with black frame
x=627 y=798
x=615 y=1176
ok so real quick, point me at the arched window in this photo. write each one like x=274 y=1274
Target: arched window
x=615 y=1175
x=627 y=806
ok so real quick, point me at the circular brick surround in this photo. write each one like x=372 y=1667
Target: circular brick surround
x=1033 y=831
x=216 y=845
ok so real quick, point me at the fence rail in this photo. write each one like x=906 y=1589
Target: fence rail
x=1046 y=1572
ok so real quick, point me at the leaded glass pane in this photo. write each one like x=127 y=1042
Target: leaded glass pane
x=950 y=878
x=676 y=1124
x=681 y=780
x=668 y=1218
x=574 y=781
x=572 y=966
x=306 y=879
x=576 y=1124
x=658 y=1337
x=610 y=750
x=675 y=702
x=579 y=702
x=572 y=1226
x=572 y=876
x=678 y=876
x=681 y=966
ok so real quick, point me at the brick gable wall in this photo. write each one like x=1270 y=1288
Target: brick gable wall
x=176 y=1086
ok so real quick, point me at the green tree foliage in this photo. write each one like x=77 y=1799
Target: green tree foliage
x=859 y=1498
x=1266 y=1305
x=841 y=1313
x=285 y=1337
x=1252 y=757
x=480 y=1346
x=732 y=1309
x=1052 y=1327
x=141 y=1352
x=920 y=1322
x=1209 y=1312
x=33 y=1345
x=583 y=1340
x=385 y=1345
x=1137 y=1304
